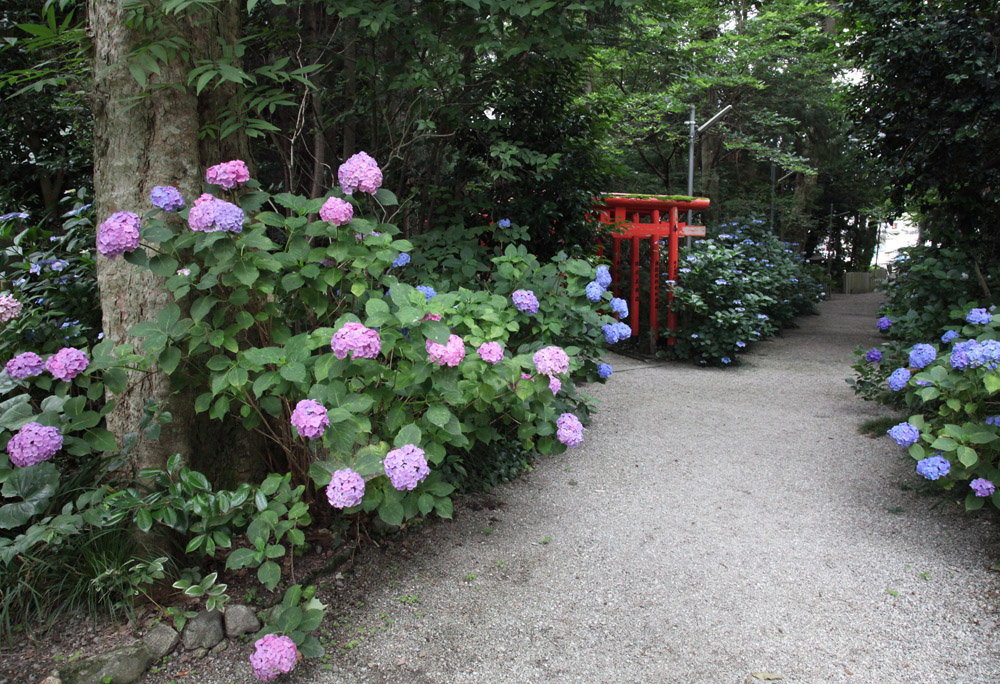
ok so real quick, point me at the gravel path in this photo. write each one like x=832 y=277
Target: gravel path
x=715 y=524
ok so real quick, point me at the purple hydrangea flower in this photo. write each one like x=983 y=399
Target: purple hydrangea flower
x=603 y=276
x=310 y=418
x=402 y=260
x=354 y=338
x=873 y=355
x=949 y=336
x=960 y=354
x=594 y=291
x=922 y=355
x=360 y=172
x=10 y=308
x=25 y=365
x=620 y=307
x=551 y=360
x=979 y=317
x=167 y=198
x=336 y=211
x=428 y=291
x=273 y=655
x=67 y=363
x=491 y=352
x=883 y=323
x=228 y=174
x=33 y=444
x=933 y=467
x=525 y=300
x=183 y=272
x=898 y=379
x=604 y=370
x=346 y=489
x=210 y=214
x=450 y=354
x=117 y=235
x=982 y=487
x=904 y=434
x=406 y=467
x=555 y=384
x=569 y=430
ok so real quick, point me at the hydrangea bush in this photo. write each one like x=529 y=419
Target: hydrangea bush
x=739 y=287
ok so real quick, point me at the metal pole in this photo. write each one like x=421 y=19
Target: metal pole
x=694 y=132
x=772 y=196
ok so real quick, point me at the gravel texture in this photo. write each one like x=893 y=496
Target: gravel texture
x=714 y=524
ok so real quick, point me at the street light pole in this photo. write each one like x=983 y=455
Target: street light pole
x=694 y=133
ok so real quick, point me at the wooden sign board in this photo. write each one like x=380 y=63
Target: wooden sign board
x=692 y=231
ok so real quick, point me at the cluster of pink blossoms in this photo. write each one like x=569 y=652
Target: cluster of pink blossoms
x=406 y=467
x=354 y=338
x=273 y=655
x=450 y=354
x=210 y=214
x=551 y=360
x=336 y=211
x=569 y=430
x=346 y=489
x=118 y=234
x=67 y=363
x=490 y=352
x=33 y=444
x=310 y=418
x=555 y=384
x=360 y=172
x=25 y=365
x=229 y=174
x=10 y=308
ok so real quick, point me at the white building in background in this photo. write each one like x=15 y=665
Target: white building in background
x=901 y=233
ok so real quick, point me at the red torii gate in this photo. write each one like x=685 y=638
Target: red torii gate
x=649 y=217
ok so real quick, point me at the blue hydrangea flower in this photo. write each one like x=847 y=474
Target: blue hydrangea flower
x=721 y=281
x=624 y=331
x=762 y=317
x=934 y=467
x=949 y=336
x=922 y=355
x=726 y=360
x=620 y=307
x=402 y=260
x=979 y=317
x=883 y=323
x=987 y=354
x=741 y=344
x=594 y=291
x=604 y=370
x=904 y=434
x=993 y=420
x=427 y=290
x=504 y=223
x=873 y=356
x=960 y=354
x=898 y=379
x=603 y=276
x=610 y=333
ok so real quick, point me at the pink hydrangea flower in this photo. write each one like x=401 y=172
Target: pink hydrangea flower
x=569 y=430
x=310 y=418
x=273 y=655
x=210 y=214
x=336 y=211
x=450 y=354
x=25 y=365
x=431 y=317
x=33 y=444
x=10 y=308
x=555 y=384
x=406 y=467
x=346 y=489
x=118 y=234
x=491 y=352
x=67 y=363
x=551 y=360
x=359 y=172
x=229 y=174
x=355 y=338
x=183 y=271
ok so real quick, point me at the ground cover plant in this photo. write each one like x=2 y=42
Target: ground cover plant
x=305 y=321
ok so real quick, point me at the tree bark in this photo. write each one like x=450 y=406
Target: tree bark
x=144 y=138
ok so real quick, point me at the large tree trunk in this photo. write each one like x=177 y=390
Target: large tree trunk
x=139 y=144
